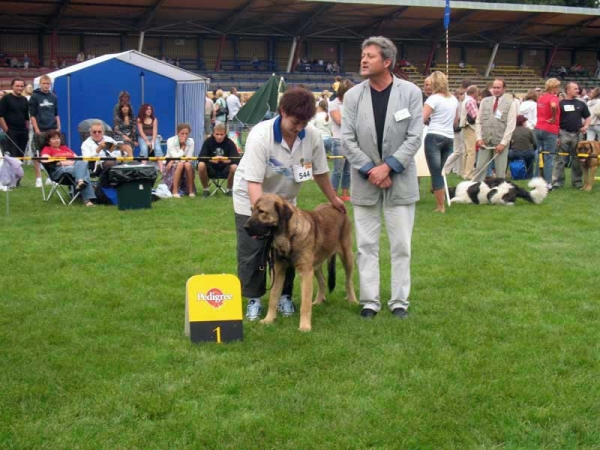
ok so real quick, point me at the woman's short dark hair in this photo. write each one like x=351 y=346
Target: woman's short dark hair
x=521 y=119
x=52 y=133
x=299 y=103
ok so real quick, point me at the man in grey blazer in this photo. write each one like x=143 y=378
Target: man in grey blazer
x=381 y=131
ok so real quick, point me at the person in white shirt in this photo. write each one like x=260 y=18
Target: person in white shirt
x=281 y=154
x=180 y=146
x=100 y=146
x=441 y=109
x=233 y=105
x=341 y=166
x=322 y=123
x=529 y=108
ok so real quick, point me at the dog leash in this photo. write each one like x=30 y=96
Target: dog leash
x=488 y=163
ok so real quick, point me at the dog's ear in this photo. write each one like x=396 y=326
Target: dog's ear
x=284 y=212
x=452 y=191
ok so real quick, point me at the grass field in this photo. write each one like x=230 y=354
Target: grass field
x=501 y=349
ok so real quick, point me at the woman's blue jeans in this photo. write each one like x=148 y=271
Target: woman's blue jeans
x=79 y=171
x=547 y=144
x=437 y=150
x=341 y=167
x=144 y=148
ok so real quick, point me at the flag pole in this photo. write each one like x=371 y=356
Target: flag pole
x=447 y=54
x=446 y=26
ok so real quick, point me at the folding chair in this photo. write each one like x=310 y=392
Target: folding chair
x=217 y=185
x=218 y=180
x=64 y=186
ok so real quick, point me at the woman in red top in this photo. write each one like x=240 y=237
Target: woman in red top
x=547 y=127
x=78 y=169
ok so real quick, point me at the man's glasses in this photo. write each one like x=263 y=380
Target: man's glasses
x=97 y=132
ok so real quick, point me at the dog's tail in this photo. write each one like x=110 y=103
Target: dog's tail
x=539 y=192
x=331 y=273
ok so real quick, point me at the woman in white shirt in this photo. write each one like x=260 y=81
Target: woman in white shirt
x=441 y=111
x=529 y=108
x=322 y=123
x=178 y=147
x=341 y=166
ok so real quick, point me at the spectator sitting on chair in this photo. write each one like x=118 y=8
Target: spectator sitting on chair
x=462 y=64
x=78 y=169
x=14 y=62
x=523 y=145
x=126 y=129
x=148 y=140
x=178 y=147
x=335 y=67
x=100 y=146
x=80 y=57
x=63 y=64
x=26 y=61
x=220 y=148
x=329 y=67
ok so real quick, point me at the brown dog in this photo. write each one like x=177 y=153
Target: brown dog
x=305 y=239
x=589 y=163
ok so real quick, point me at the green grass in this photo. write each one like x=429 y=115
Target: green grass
x=500 y=350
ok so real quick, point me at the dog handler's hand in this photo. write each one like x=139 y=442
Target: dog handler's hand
x=500 y=148
x=338 y=204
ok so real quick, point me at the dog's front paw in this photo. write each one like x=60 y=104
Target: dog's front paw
x=320 y=299
x=267 y=320
x=305 y=328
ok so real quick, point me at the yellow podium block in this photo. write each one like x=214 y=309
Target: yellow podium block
x=213 y=308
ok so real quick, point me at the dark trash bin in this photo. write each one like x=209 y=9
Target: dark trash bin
x=134 y=185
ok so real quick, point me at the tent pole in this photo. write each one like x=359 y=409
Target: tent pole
x=141 y=42
x=142 y=85
x=69 y=110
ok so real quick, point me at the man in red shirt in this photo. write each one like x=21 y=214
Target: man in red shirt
x=547 y=127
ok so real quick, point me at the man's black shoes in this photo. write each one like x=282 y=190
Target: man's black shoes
x=400 y=313
x=368 y=313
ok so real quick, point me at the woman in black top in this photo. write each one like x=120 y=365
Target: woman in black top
x=126 y=129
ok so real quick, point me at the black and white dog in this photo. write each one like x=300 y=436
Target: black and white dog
x=498 y=191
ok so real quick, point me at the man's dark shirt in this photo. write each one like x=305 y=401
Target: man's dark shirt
x=226 y=149
x=571 y=119
x=380 y=105
x=15 y=111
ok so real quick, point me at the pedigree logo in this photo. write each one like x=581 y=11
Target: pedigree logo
x=214 y=297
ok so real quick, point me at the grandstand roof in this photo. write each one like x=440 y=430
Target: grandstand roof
x=419 y=20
